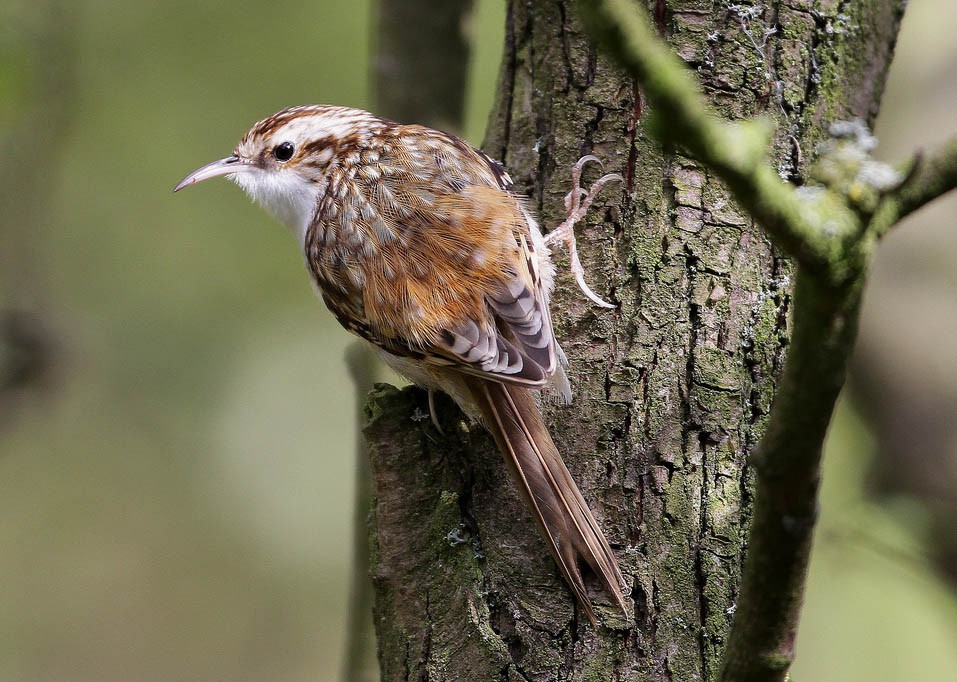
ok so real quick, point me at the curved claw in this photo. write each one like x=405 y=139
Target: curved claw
x=592 y=194
x=608 y=178
x=577 y=202
x=592 y=296
x=598 y=184
x=579 y=272
x=432 y=413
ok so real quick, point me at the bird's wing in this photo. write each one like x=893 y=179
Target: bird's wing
x=509 y=338
x=446 y=270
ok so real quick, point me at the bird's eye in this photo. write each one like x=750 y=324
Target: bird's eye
x=283 y=151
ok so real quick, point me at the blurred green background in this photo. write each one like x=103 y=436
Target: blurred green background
x=175 y=497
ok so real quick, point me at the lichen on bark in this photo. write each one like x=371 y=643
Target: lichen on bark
x=672 y=388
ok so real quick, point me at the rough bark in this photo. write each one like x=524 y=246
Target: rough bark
x=672 y=388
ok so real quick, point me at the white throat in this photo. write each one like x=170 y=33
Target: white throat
x=285 y=193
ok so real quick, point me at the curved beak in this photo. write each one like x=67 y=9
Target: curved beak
x=227 y=166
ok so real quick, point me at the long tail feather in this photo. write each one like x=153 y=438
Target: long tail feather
x=573 y=535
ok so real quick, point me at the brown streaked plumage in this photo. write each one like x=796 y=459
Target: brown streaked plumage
x=417 y=244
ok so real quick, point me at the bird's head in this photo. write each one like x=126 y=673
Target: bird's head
x=283 y=161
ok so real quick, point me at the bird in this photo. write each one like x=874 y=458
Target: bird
x=419 y=243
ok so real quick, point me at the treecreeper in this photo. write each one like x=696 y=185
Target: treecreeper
x=418 y=244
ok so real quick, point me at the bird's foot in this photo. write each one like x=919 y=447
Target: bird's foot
x=577 y=203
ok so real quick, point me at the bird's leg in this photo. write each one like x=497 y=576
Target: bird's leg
x=577 y=202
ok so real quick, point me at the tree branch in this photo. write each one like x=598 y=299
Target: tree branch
x=674 y=387
x=761 y=643
x=930 y=178
x=832 y=266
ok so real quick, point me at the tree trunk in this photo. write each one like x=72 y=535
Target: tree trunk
x=671 y=389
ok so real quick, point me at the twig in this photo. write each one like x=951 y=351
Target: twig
x=929 y=178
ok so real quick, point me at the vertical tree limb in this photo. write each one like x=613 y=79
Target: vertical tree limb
x=421 y=59
x=40 y=48
x=788 y=462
